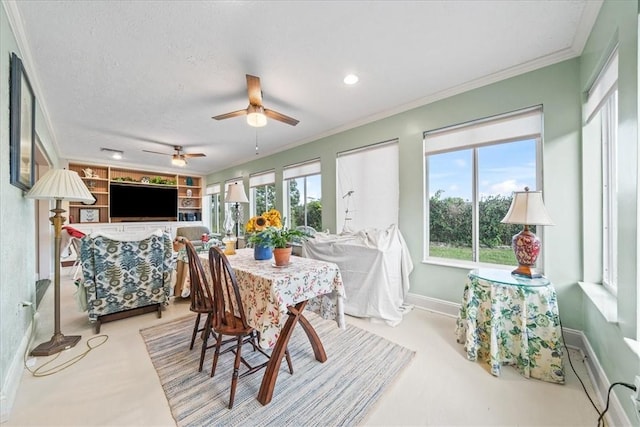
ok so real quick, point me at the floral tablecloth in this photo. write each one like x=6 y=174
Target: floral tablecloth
x=512 y=323
x=267 y=291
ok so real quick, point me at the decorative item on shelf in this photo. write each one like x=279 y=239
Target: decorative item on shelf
x=91 y=184
x=527 y=208
x=145 y=180
x=188 y=180
x=58 y=185
x=187 y=203
x=89 y=215
x=189 y=193
x=236 y=195
x=266 y=231
x=89 y=173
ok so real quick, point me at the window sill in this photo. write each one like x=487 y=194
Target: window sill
x=634 y=346
x=602 y=299
x=467 y=265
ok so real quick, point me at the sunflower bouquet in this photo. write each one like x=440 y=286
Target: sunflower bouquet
x=267 y=230
x=258 y=223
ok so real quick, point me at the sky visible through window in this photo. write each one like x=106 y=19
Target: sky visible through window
x=502 y=169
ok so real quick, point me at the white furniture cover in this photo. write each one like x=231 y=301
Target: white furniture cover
x=375 y=266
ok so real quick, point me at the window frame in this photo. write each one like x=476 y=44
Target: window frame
x=448 y=147
x=305 y=170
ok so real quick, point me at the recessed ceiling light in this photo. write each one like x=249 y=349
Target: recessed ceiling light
x=116 y=154
x=351 y=79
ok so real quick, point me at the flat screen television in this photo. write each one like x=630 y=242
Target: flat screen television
x=135 y=202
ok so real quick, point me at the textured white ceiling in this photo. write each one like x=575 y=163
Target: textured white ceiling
x=147 y=75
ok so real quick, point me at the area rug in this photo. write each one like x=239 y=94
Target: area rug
x=340 y=391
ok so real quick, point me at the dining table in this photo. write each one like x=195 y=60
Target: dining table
x=274 y=299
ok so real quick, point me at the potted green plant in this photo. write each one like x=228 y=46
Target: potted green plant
x=267 y=235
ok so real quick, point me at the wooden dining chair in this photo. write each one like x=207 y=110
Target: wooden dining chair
x=229 y=320
x=201 y=298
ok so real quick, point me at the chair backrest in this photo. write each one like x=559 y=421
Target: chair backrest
x=125 y=271
x=229 y=312
x=201 y=293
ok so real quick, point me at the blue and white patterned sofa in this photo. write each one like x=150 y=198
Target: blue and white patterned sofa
x=125 y=274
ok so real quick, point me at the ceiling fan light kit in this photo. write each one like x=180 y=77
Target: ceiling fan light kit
x=255 y=116
x=255 y=112
x=179 y=158
x=178 y=161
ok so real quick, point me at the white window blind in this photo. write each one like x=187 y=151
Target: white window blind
x=368 y=190
x=604 y=85
x=213 y=189
x=301 y=169
x=263 y=178
x=524 y=124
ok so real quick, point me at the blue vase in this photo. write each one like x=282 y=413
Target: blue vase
x=262 y=252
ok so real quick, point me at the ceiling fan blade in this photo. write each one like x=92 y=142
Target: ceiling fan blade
x=280 y=117
x=157 y=152
x=230 y=115
x=190 y=155
x=254 y=90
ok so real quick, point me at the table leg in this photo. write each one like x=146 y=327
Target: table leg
x=273 y=367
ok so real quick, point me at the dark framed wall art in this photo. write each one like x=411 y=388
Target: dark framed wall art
x=22 y=120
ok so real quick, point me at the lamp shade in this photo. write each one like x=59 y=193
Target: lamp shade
x=236 y=194
x=527 y=208
x=61 y=184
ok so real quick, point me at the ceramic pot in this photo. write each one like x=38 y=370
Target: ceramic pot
x=262 y=252
x=282 y=256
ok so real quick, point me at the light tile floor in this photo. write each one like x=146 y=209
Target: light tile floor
x=116 y=384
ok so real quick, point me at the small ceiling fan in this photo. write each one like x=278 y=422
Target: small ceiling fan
x=255 y=112
x=178 y=158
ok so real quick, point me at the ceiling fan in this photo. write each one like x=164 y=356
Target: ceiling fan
x=255 y=112
x=178 y=158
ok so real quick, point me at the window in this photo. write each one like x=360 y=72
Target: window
x=600 y=138
x=213 y=192
x=303 y=195
x=368 y=193
x=263 y=192
x=471 y=173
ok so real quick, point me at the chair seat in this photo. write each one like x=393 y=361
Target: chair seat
x=233 y=326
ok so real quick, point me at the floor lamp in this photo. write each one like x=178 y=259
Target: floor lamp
x=58 y=185
x=236 y=195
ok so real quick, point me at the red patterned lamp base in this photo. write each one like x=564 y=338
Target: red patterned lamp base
x=526 y=246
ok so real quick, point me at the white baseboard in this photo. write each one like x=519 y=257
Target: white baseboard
x=14 y=375
x=615 y=416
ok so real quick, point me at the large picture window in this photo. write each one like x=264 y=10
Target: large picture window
x=471 y=173
x=263 y=192
x=600 y=163
x=303 y=195
x=216 y=217
x=368 y=194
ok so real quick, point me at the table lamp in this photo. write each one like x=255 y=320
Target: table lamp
x=58 y=185
x=527 y=208
x=236 y=195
